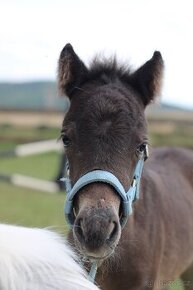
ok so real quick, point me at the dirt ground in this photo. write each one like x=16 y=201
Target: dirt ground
x=54 y=119
x=31 y=119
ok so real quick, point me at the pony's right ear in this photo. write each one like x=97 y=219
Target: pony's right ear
x=71 y=70
x=147 y=80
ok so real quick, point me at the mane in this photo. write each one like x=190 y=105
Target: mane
x=108 y=69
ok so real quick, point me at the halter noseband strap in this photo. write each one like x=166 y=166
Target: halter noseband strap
x=127 y=197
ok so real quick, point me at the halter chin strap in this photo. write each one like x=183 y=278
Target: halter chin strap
x=127 y=197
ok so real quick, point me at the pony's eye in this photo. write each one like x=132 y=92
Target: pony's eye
x=66 y=141
x=142 y=148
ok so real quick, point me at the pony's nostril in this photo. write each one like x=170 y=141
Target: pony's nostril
x=113 y=232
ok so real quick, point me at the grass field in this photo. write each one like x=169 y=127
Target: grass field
x=11 y=136
x=23 y=206
x=41 y=166
x=31 y=208
x=171 y=133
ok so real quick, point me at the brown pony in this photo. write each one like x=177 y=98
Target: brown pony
x=103 y=129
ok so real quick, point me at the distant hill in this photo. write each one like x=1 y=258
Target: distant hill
x=165 y=112
x=164 y=107
x=31 y=96
x=42 y=96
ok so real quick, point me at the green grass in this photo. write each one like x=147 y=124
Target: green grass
x=26 y=206
x=7 y=145
x=158 y=139
x=42 y=166
x=177 y=285
x=31 y=208
x=34 y=133
x=171 y=133
x=26 y=134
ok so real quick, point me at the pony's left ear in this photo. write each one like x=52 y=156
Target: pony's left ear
x=147 y=80
x=71 y=70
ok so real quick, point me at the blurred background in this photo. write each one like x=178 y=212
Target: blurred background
x=32 y=34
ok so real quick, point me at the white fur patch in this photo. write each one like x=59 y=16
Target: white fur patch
x=38 y=259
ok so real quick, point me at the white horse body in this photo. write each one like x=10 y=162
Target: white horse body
x=38 y=259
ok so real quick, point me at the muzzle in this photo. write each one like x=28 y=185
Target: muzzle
x=127 y=197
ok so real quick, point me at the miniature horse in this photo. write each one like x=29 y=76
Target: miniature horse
x=38 y=259
x=103 y=130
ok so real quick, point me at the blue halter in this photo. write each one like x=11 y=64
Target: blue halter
x=127 y=197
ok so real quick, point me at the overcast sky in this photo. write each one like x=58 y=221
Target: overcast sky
x=33 y=32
